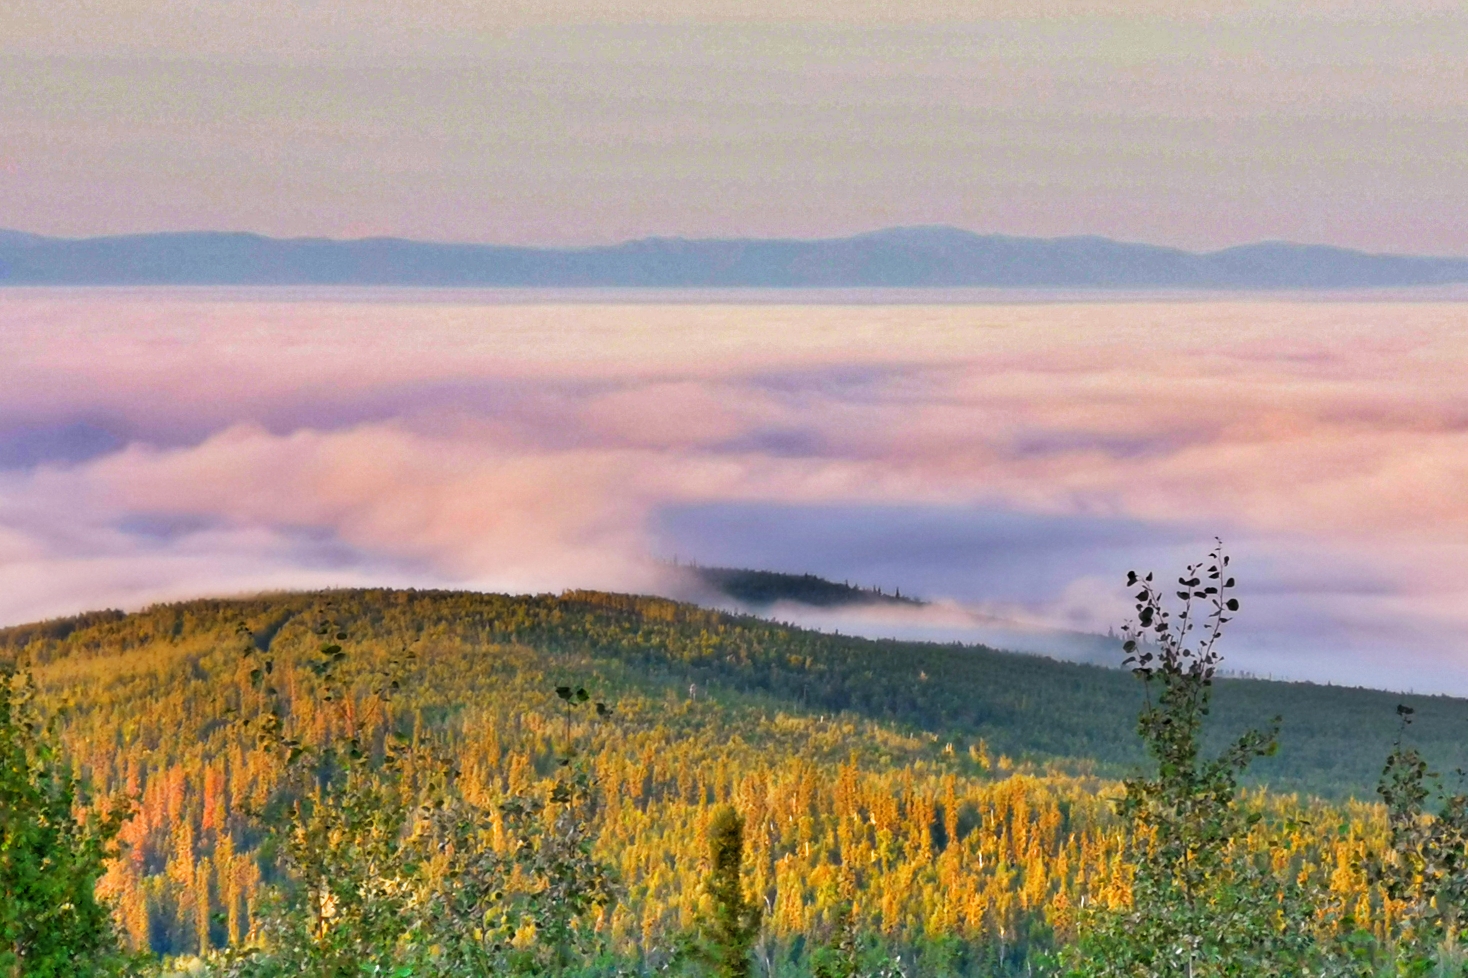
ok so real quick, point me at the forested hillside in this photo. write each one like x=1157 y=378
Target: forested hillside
x=759 y=589
x=965 y=786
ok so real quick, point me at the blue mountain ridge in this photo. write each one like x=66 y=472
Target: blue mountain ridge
x=911 y=257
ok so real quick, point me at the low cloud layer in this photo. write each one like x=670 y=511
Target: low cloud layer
x=1009 y=461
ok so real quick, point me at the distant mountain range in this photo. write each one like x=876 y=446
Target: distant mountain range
x=919 y=257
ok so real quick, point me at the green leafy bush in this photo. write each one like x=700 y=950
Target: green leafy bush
x=52 y=852
x=1424 y=867
x=1206 y=897
x=388 y=869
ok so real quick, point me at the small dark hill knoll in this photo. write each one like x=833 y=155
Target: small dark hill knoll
x=761 y=588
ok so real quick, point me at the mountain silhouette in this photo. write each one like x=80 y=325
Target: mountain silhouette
x=914 y=257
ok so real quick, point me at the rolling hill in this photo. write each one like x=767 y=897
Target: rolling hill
x=976 y=778
x=1028 y=707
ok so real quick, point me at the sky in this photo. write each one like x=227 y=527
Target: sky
x=1007 y=460
x=1198 y=123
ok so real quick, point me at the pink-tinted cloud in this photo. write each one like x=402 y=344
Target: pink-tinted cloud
x=1017 y=458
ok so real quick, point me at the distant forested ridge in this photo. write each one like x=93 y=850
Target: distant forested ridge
x=759 y=588
x=914 y=257
x=968 y=785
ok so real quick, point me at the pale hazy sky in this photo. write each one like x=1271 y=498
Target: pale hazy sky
x=1200 y=123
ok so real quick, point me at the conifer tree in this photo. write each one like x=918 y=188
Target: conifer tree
x=841 y=957
x=735 y=923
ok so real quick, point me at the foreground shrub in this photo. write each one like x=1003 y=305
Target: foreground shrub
x=51 y=921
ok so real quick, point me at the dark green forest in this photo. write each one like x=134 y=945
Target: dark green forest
x=761 y=588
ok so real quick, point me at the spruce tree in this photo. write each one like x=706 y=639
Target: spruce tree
x=735 y=923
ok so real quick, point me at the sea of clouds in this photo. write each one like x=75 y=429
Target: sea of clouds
x=1008 y=460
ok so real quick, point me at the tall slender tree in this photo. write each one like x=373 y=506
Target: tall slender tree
x=731 y=931
x=1206 y=899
